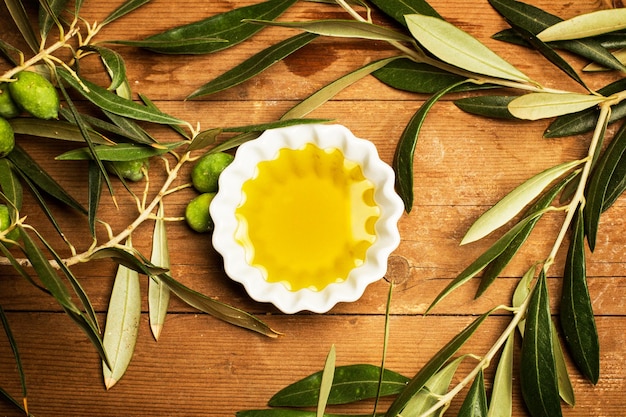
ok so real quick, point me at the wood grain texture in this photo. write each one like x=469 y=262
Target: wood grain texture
x=464 y=164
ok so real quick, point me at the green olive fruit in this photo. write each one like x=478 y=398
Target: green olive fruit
x=206 y=171
x=7 y=137
x=5 y=222
x=8 y=108
x=130 y=170
x=197 y=213
x=35 y=94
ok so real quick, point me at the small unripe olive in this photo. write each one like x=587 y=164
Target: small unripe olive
x=7 y=137
x=8 y=108
x=130 y=170
x=35 y=94
x=5 y=222
x=197 y=213
x=206 y=171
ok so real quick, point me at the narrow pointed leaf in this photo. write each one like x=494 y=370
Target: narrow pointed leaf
x=283 y=412
x=20 y=17
x=617 y=185
x=433 y=366
x=458 y=48
x=122 y=324
x=405 y=149
x=125 y=8
x=501 y=403
x=135 y=132
x=329 y=91
x=475 y=403
x=566 y=390
x=10 y=186
x=94 y=179
x=326 y=381
x=228 y=26
x=576 y=311
x=599 y=182
x=510 y=205
x=119 y=152
x=489 y=106
x=128 y=257
x=49 y=15
x=217 y=309
x=273 y=125
x=342 y=29
x=538 y=375
x=113 y=62
x=158 y=293
x=586 y=25
x=53 y=129
x=351 y=383
x=535 y=106
x=16 y=353
x=254 y=65
x=171 y=44
x=398 y=9
x=109 y=101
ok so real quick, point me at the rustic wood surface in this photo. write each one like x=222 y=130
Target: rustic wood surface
x=203 y=367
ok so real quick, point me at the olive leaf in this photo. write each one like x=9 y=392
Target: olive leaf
x=158 y=293
x=228 y=27
x=435 y=387
x=326 y=381
x=172 y=45
x=489 y=106
x=501 y=403
x=576 y=312
x=128 y=257
x=417 y=77
x=341 y=28
x=511 y=204
x=283 y=412
x=566 y=390
x=122 y=324
x=14 y=349
x=599 y=181
x=585 y=121
x=586 y=25
x=475 y=403
x=327 y=92
x=215 y=308
x=113 y=62
x=127 y=7
x=53 y=129
x=115 y=104
x=254 y=65
x=535 y=106
x=538 y=376
x=405 y=149
x=132 y=130
x=398 y=9
x=94 y=179
x=22 y=21
x=456 y=47
x=351 y=383
x=10 y=186
x=49 y=12
x=433 y=366
x=119 y=152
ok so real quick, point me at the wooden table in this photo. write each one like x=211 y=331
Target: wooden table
x=203 y=367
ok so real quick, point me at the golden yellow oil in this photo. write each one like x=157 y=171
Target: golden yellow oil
x=307 y=217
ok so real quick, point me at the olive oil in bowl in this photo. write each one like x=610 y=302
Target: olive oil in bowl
x=307 y=218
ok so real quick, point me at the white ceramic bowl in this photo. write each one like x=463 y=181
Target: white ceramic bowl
x=229 y=197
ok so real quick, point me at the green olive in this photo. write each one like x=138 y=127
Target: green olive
x=130 y=170
x=35 y=94
x=7 y=137
x=206 y=171
x=8 y=108
x=5 y=222
x=197 y=213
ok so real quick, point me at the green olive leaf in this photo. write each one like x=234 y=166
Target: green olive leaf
x=113 y=62
x=586 y=25
x=16 y=355
x=125 y=8
x=535 y=106
x=326 y=381
x=122 y=324
x=538 y=375
x=321 y=96
x=215 y=308
x=351 y=383
x=94 y=179
x=397 y=9
x=475 y=403
x=405 y=149
x=171 y=45
x=23 y=23
x=511 y=204
x=53 y=129
x=113 y=103
x=616 y=186
x=576 y=311
x=128 y=257
x=490 y=106
x=49 y=12
x=566 y=390
x=456 y=47
x=599 y=181
x=10 y=186
x=433 y=366
x=285 y=412
x=254 y=65
x=501 y=403
x=436 y=386
x=158 y=293
x=119 y=152
x=133 y=131
x=341 y=29
x=228 y=27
